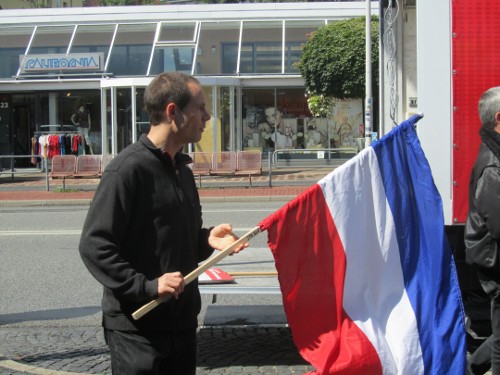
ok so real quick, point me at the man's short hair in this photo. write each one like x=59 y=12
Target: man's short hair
x=164 y=89
x=489 y=104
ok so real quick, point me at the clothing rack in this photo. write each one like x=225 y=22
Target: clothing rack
x=55 y=132
x=47 y=150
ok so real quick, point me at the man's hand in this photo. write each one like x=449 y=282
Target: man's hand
x=170 y=284
x=222 y=236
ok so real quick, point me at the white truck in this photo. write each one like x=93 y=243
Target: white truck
x=437 y=58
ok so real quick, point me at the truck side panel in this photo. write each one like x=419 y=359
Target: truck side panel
x=475 y=41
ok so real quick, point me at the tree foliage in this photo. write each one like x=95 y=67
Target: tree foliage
x=320 y=105
x=333 y=59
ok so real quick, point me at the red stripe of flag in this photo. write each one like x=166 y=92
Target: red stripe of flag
x=308 y=242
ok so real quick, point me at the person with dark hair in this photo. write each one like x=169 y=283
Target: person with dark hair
x=482 y=228
x=143 y=233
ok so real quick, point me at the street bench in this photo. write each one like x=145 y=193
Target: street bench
x=63 y=166
x=88 y=166
x=226 y=163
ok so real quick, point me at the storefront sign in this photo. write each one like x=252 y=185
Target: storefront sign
x=61 y=62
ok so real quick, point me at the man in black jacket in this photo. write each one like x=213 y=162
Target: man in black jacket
x=143 y=232
x=482 y=229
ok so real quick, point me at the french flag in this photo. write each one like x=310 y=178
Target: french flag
x=367 y=276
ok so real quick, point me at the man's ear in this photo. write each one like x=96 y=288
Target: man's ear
x=171 y=111
x=497 y=117
x=497 y=122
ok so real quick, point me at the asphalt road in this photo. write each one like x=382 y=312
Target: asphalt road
x=44 y=280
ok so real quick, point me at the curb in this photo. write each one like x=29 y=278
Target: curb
x=87 y=202
x=28 y=369
x=44 y=202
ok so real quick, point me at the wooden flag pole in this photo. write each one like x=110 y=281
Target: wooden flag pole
x=253 y=273
x=139 y=313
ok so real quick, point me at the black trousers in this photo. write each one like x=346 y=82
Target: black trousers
x=152 y=353
x=488 y=354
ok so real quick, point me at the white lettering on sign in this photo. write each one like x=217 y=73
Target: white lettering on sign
x=51 y=62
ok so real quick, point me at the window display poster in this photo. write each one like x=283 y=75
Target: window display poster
x=346 y=123
x=267 y=128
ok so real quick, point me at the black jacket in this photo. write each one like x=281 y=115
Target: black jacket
x=482 y=228
x=145 y=220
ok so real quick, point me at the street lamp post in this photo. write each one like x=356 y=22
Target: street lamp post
x=368 y=77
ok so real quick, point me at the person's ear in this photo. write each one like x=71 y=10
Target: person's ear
x=171 y=111
x=497 y=118
x=497 y=122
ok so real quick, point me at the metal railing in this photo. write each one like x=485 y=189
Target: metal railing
x=309 y=158
x=321 y=157
x=40 y=166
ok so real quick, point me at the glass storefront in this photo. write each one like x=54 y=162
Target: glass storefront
x=246 y=64
x=272 y=119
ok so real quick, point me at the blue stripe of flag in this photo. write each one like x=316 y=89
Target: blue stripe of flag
x=426 y=259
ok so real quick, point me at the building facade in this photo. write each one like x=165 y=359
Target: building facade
x=29 y=4
x=53 y=61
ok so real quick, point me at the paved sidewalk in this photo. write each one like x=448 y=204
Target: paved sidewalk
x=285 y=185
x=81 y=350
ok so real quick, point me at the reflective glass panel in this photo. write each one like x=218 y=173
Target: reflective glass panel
x=51 y=39
x=142 y=119
x=107 y=130
x=177 y=32
x=224 y=119
x=132 y=50
x=258 y=127
x=206 y=143
x=218 y=48
x=13 y=42
x=70 y=104
x=172 y=59
x=277 y=119
x=262 y=52
x=296 y=35
x=124 y=118
x=92 y=38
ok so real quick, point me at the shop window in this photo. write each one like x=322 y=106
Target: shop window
x=275 y=119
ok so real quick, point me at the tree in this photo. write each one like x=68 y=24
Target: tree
x=333 y=59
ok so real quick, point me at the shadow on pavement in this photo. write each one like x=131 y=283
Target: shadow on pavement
x=248 y=347
x=55 y=314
